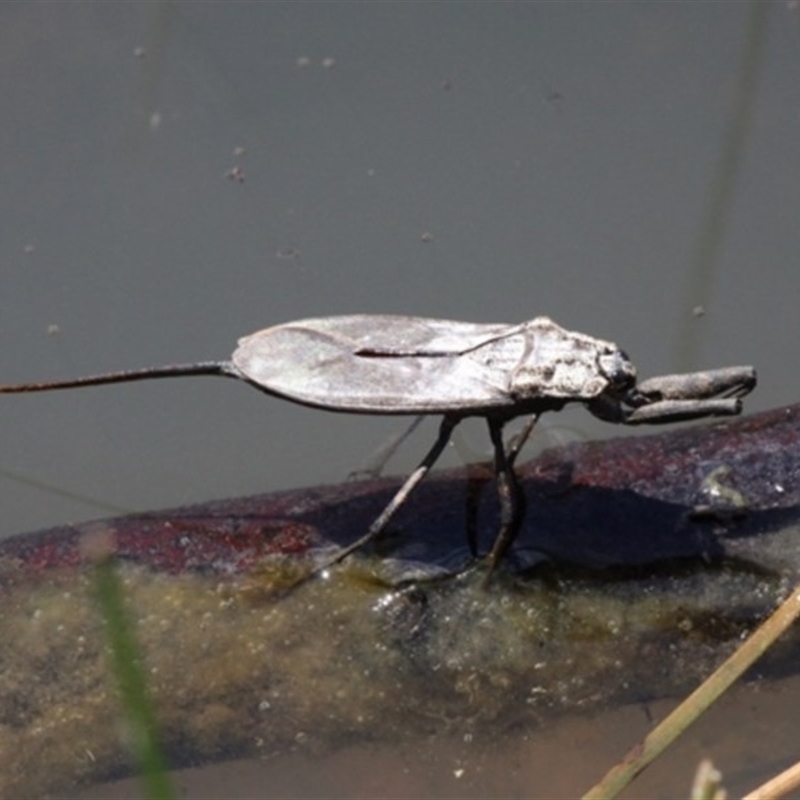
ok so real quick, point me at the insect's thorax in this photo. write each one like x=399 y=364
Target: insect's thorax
x=542 y=359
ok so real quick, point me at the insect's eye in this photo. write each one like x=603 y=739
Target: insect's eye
x=617 y=367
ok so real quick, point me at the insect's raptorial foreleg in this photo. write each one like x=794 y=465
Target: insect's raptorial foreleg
x=681 y=410
x=676 y=398
x=710 y=383
x=509 y=494
x=378 y=526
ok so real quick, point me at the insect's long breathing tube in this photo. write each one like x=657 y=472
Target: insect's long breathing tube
x=224 y=368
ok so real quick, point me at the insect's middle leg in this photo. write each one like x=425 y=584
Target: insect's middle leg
x=509 y=493
x=476 y=480
x=413 y=480
x=518 y=442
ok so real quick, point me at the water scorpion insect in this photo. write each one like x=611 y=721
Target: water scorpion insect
x=385 y=364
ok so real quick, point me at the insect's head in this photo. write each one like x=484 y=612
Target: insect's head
x=617 y=369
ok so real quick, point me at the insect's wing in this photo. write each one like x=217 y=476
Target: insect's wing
x=373 y=364
x=395 y=335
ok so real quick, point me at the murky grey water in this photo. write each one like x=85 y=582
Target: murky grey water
x=449 y=690
x=478 y=161
x=560 y=762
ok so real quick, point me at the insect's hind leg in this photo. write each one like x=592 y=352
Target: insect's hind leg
x=411 y=483
x=509 y=492
x=378 y=460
